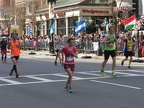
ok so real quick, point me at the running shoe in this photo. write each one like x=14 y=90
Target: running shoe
x=62 y=64
x=11 y=73
x=55 y=62
x=5 y=61
x=129 y=67
x=70 y=90
x=17 y=75
x=67 y=88
x=113 y=74
x=102 y=73
x=122 y=63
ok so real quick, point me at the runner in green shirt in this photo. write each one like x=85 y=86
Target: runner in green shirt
x=109 y=50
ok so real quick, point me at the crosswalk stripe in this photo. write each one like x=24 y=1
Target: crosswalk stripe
x=86 y=73
x=137 y=71
x=10 y=81
x=66 y=76
x=121 y=73
x=115 y=84
x=117 y=72
x=38 y=78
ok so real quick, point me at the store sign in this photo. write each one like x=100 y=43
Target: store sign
x=47 y=15
x=60 y=14
x=95 y=11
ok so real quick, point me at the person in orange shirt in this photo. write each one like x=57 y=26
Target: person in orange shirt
x=15 y=53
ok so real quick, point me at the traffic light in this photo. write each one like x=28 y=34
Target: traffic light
x=135 y=6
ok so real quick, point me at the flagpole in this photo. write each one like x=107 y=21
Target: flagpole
x=51 y=7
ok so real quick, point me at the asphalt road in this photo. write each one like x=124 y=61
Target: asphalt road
x=41 y=85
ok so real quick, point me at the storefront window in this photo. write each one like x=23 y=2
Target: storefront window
x=61 y=26
x=61 y=22
x=72 y=23
x=44 y=30
x=61 y=30
x=94 y=22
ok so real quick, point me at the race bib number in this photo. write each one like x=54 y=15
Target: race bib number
x=129 y=48
x=70 y=58
x=110 y=44
x=61 y=47
x=14 y=48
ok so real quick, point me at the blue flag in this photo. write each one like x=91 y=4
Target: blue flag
x=52 y=29
x=30 y=30
x=80 y=26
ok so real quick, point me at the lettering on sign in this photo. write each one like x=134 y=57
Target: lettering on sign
x=94 y=11
x=61 y=14
x=47 y=15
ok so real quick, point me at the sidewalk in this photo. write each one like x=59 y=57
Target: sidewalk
x=86 y=56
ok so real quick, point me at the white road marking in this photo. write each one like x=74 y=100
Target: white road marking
x=137 y=71
x=86 y=73
x=66 y=76
x=116 y=71
x=38 y=78
x=115 y=84
x=52 y=81
x=10 y=81
x=129 y=74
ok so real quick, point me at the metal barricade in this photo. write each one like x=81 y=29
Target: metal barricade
x=31 y=45
x=92 y=47
x=87 y=46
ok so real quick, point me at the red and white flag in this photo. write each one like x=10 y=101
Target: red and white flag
x=115 y=9
x=5 y=31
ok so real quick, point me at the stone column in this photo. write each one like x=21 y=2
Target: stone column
x=45 y=24
x=67 y=27
x=55 y=23
x=26 y=29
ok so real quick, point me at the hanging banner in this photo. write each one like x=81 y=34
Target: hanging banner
x=51 y=11
x=14 y=30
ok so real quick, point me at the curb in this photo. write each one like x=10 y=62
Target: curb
x=82 y=56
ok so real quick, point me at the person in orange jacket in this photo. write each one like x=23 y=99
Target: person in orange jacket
x=15 y=47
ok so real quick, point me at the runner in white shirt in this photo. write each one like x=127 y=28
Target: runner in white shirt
x=59 y=46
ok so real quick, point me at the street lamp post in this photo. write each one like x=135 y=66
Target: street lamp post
x=99 y=51
x=51 y=2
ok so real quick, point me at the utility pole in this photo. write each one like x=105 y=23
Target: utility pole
x=51 y=8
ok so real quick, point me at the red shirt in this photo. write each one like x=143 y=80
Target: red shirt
x=69 y=58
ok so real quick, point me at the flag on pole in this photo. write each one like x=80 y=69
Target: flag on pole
x=30 y=30
x=52 y=28
x=115 y=9
x=80 y=26
x=130 y=23
x=5 y=31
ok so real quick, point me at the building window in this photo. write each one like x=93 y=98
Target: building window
x=61 y=26
x=31 y=7
x=61 y=23
x=44 y=30
x=72 y=23
x=98 y=1
x=104 y=1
